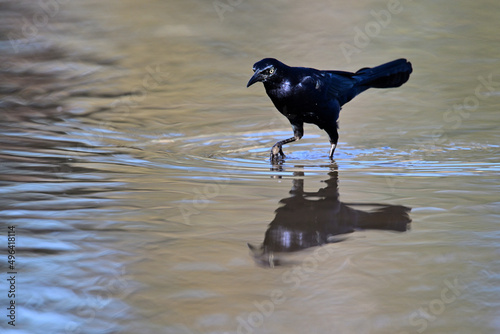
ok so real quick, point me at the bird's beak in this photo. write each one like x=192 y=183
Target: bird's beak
x=256 y=77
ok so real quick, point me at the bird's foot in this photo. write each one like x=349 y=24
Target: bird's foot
x=277 y=153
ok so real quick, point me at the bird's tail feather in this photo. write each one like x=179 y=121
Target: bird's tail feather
x=388 y=75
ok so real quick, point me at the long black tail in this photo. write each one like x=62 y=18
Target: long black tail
x=388 y=75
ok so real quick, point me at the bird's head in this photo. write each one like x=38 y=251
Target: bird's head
x=266 y=70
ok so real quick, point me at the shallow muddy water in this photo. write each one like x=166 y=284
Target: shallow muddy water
x=136 y=180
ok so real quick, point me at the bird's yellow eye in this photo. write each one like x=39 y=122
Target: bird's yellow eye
x=271 y=70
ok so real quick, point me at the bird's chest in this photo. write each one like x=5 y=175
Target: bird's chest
x=282 y=91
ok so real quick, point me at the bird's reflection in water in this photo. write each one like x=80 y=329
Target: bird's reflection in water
x=309 y=219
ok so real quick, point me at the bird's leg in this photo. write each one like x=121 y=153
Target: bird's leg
x=334 y=138
x=332 y=150
x=277 y=151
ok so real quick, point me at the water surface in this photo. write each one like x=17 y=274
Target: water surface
x=135 y=169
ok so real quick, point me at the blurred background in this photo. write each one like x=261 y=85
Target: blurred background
x=134 y=165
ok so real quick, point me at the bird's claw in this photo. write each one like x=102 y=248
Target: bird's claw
x=277 y=153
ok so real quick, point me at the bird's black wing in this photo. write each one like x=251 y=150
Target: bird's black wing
x=322 y=86
x=317 y=95
x=341 y=85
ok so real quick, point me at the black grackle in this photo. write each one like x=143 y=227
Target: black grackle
x=313 y=96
